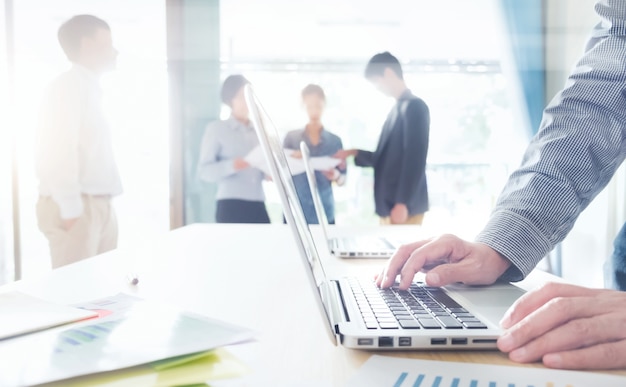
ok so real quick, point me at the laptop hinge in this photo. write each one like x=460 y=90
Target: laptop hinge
x=337 y=310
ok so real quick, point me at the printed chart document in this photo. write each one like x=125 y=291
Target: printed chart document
x=256 y=159
x=21 y=313
x=129 y=332
x=384 y=371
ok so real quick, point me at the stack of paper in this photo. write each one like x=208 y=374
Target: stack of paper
x=129 y=332
x=181 y=371
x=21 y=314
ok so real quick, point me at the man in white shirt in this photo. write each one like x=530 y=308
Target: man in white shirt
x=76 y=168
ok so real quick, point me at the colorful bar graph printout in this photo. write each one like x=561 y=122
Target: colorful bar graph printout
x=382 y=371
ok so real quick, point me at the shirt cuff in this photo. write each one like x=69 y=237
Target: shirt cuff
x=362 y=158
x=518 y=240
x=70 y=207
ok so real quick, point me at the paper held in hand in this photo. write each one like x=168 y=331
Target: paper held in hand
x=256 y=159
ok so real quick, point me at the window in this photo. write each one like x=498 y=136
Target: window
x=450 y=60
x=6 y=216
x=135 y=100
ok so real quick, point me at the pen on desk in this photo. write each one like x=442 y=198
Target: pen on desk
x=132 y=278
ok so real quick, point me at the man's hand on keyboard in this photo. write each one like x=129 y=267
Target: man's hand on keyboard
x=447 y=259
x=567 y=326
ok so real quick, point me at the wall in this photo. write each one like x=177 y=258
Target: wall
x=567 y=26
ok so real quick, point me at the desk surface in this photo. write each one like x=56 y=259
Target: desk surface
x=249 y=275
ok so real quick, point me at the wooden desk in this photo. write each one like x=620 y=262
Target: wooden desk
x=249 y=275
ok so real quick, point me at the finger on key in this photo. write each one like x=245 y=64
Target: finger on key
x=397 y=261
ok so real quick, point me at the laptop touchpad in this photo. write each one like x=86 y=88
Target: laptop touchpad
x=490 y=301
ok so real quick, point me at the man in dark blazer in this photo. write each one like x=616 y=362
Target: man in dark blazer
x=399 y=161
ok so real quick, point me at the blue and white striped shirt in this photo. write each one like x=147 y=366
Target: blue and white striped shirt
x=580 y=144
x=223 y=142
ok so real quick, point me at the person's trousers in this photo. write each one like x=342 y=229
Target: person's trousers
x=615 y=267
x=414 y=219
x=95 y=232
x=241 y=211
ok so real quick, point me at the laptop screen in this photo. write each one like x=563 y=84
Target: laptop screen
x=282 y=177
x=317 y=200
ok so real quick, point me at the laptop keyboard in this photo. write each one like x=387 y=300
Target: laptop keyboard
x=419 y=307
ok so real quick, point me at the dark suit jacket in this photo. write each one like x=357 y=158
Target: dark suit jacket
x=400 y=159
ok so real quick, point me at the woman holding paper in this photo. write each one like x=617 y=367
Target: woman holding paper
x=226 y=143
x=321 y=143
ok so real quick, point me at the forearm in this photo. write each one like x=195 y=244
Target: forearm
x=70 y=205
x=58 y=158
x=364 y=158
x=60 y=181
x=57 y=169
x=542 y=200
x=567 y=164
x=516 y=239
x=410 y=175
x=216 y=170
x=212 y=165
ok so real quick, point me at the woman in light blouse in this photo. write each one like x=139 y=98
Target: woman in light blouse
x=240 y=196
x=321 y=142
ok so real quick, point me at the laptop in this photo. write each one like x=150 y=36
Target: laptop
x=345 y=247
x=360 y=315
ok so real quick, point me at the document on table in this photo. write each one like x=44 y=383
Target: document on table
x=188 y=370
x=130 y=332
x=384 y=371
x=21 y=313
x=257 y=160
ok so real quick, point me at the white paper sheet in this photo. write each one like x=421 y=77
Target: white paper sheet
x=256 y=159
x=385 y=371
x=21 y=313
x=130 y=332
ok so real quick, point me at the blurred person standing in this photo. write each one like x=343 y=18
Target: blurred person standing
x=321 y=142
x=76 y=168
x=240 y=196
x=399 y=161
x=615 y=266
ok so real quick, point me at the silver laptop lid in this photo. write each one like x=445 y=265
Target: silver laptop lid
x=315 y=194
x=281 y=174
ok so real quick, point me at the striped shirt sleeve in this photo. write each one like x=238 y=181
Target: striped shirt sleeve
x=579 y=146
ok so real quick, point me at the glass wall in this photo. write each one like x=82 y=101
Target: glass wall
x=6 y=242
x=452 y=58
x=135 y=99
